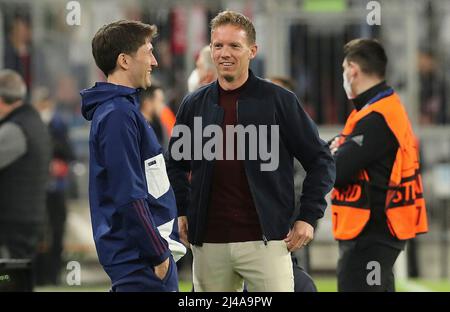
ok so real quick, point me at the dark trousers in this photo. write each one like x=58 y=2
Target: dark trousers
x=49 y=260
x=366 y=267
x=19 y=241
x=145 y=280
x=302 y=281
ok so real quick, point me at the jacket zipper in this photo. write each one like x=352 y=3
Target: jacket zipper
x=264 y=238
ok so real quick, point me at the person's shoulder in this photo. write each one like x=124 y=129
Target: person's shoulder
x=9 y=128
x=194 y=99
x=374 y=124
x=116 y=109
x=373 y=120
x=200 y=92
x=273 y=88
x=283 y=99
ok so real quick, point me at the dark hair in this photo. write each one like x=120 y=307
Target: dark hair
x=119 y=37
x=369 y=54
x=148 y=93
x=235 y=19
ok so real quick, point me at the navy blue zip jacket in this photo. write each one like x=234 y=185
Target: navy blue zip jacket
x=133 y=208
x=260 y=103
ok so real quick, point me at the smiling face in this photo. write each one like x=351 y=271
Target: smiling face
x=141 y=65
x=231 y=53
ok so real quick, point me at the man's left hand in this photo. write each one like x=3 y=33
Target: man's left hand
x=299 y=236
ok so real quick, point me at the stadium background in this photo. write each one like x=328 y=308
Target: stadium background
x=301 y=39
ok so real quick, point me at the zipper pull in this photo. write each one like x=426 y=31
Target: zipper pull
x=264 y=239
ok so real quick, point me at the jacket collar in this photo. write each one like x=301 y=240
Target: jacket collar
x=365 y=98
x=248 y=90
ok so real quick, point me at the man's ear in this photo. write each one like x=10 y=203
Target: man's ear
x=253 y=51
x=354 y=68
x=123 y=61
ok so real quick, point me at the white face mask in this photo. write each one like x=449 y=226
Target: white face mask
x=193 y=81
x=46 y=115
x=347 y=87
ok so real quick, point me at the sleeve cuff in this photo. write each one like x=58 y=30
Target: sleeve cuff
x=182 y=210
x=161 y=258
x=308 y=218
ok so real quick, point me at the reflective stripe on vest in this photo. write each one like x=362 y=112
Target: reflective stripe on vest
x=405 y=205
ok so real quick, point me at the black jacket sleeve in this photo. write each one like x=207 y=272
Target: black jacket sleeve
x=300 y=135
x=178 y=169
x=370 y=141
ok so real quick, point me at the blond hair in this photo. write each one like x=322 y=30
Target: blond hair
x=236 y=19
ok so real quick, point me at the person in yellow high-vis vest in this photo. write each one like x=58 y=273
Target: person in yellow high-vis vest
x=377 y=202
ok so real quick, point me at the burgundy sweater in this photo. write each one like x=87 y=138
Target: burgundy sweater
x=232 y=215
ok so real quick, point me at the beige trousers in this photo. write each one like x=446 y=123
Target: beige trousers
x=224 y=267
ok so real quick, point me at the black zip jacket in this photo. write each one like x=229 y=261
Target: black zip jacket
x=260 y=103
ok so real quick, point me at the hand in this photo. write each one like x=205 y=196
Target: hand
x=334 y=145
x=183 y=230
x=161 y=269
x=299 y=236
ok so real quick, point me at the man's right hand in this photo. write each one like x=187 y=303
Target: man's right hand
x=161 y=269
x=183 y=230
x=334 y=145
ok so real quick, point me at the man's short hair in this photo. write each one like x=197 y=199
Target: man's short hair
x=236 y=19
x=12 y=86
x=119 y=37
x=369 y=54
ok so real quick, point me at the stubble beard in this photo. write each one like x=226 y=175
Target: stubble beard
x=228 y=78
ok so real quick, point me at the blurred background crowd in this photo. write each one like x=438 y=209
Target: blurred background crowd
x=299 y=41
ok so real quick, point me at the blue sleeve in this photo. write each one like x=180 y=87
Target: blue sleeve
x=119 y=139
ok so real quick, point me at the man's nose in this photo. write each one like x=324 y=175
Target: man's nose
x=154 y=61
x=225 y=52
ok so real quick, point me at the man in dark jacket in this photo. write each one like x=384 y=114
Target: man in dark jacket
x=236 y=209
x=24 y=160
x=133 y=207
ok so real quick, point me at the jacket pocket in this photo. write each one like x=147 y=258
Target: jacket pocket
x=156 y=175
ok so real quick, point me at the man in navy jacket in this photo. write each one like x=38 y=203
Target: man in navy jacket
x=132 y=204
x=236 y=211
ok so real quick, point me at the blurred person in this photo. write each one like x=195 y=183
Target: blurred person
x=49 y=260
x=158 y=115
x=204 y=72
x=24 y=161
x=166 y=116
x=284 y=82
x=17 y=53
x=377 y=203
x=235 y=215
x=66 y=93
x=132 y=203
x=302 y=281
x=433 y=93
